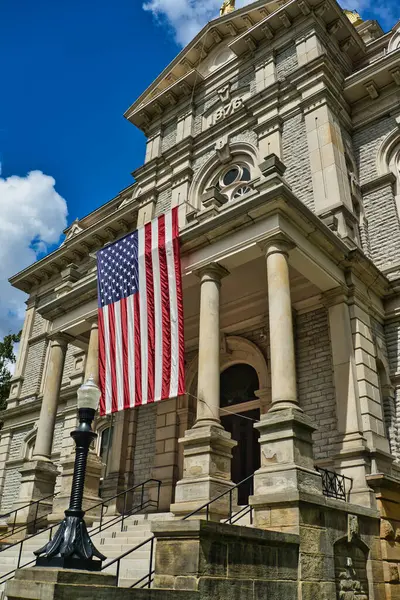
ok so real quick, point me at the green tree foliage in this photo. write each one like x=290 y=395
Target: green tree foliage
x=7 y=357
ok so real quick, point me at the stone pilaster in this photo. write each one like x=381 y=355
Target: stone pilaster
x=114 y=480
x=166 y=459
x=207 y=446
x=352 y=458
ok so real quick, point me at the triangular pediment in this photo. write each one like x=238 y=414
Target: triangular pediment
x=72 y=231
x=207 y=52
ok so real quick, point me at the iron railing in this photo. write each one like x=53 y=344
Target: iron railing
x=334 y=484
x=144 y=503
x=233 y=517
x=147 y=579
x=32 y=525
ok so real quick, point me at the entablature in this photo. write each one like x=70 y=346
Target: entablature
x=369 y=82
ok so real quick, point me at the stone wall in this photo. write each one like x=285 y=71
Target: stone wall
x=366 y=143
x=145 y=443
x=163 y=201
x=383 y=227
x=296 y=159
x=69 y=365
x=169 y=137
x=34 y=368
x=286 y=62
x=315 y=379
x=39 y=325
x=12 y=474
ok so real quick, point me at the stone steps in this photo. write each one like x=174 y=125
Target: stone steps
x=111 y=542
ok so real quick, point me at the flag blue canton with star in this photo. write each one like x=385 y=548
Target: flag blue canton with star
x=118 y=270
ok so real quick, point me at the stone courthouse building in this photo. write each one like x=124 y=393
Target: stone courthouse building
x=276 y=132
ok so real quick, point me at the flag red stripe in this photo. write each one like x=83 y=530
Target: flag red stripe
x=150 y=312
x=102 y=362
x=138 y=358
x=165 y=304
x=178 y=275
x=124 y=329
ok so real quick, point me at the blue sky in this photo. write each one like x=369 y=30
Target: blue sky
x=68 y=72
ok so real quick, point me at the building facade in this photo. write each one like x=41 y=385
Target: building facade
x=276 y=132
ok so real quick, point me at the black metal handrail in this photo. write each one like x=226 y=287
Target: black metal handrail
x=334 y=484
x=17 y=529
x=142 y=505
x=230 y=492
x=147 y=579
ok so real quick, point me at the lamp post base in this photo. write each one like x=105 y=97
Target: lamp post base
x=60 y=562
x=71 y=546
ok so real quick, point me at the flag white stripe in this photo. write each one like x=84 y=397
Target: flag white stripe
x=158 y=347
x=108 y=383
x=130 y=309
x=143 y=313
x=119 y=365
x=173 y=388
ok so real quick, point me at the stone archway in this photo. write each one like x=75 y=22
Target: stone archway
x=237 y=350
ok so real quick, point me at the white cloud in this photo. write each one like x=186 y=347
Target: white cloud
x=32 y=218
x=187 y=17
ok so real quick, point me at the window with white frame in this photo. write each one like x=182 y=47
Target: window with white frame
x=234 y=181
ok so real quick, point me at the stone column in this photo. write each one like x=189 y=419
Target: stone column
x=209 y=347
x=283 y=367
x=48 y=411
x=38 y=476
x=287 y=460
x=207 y=446
x=94 y=466
x=92 y=358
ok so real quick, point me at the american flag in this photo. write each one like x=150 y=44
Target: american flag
x=141 y=345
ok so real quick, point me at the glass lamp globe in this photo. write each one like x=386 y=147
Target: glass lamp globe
x=89 y=395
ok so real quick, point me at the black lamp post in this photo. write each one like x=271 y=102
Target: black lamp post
x=71 y=547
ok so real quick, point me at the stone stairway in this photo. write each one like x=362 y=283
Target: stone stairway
x=112 y=542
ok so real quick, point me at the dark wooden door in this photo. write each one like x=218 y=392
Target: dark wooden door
x=246 y=455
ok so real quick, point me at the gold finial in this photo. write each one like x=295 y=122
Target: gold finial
x=227 y=7
x=354 y=17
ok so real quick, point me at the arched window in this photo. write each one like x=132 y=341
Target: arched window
x=394 y=42
x=238 y=384
x=233 y=169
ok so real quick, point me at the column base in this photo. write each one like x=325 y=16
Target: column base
x=287 y=460
x=90 y=493
x=206 y=472
x=38 y=479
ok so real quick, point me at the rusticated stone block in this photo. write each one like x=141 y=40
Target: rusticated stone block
x=320 y=590
x=275 y=590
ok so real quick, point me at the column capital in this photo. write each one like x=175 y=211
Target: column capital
x=278 y=244
x=60 y=339
x=211 y=272
x=337 y=295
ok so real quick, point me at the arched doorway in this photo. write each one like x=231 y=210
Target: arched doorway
x=239 y=410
